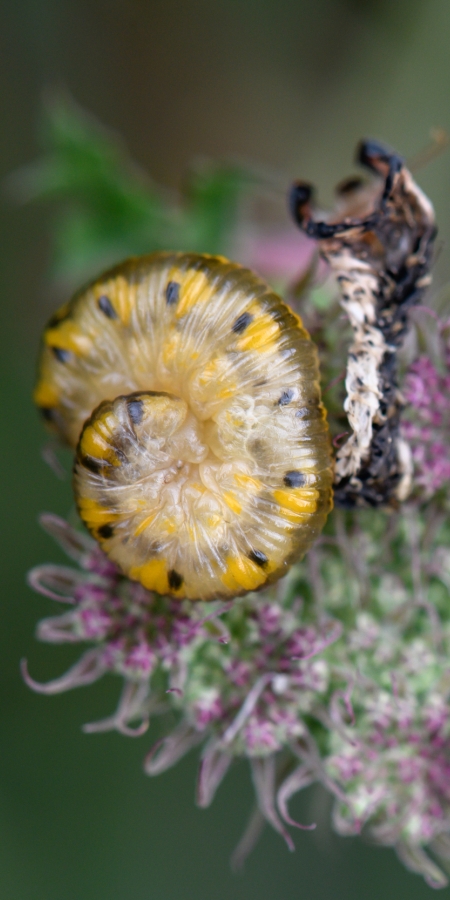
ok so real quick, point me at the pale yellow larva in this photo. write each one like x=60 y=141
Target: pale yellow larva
x=191 y=392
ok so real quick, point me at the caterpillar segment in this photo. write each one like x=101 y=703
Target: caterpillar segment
x=191 y=394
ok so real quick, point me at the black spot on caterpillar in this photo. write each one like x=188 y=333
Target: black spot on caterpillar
x=105 y=531
x=286 y=397
x=47 y=413
x=61 y=355
x=242 y=322
x=169 y=463
x=94 y=465
x=258 y=557
x=175 y=580
x=135 y=410
x=294 y=479
x=172 y=292
x=106 y=307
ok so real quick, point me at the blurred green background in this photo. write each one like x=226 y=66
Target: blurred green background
x=291 y=86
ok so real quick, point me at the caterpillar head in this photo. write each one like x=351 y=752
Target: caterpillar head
x=191 y=394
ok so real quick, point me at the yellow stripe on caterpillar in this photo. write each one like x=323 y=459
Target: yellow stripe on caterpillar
x=153 y=575
x=120 y=295
x=261 y=332
x=94 y=514
x=195 y=288
x=95 y=443
x=299 y=500
x=248 y=482
x=46 y=394
x=232 y=502
x=242 y=572
x=145 y=523
x=68 y=336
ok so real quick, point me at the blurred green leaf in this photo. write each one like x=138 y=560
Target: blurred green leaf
x=107 y=208
x=212 y=194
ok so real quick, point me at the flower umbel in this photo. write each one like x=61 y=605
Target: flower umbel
x=427 y=426
x=241 y=677
x=393 y=761
x=267 y=678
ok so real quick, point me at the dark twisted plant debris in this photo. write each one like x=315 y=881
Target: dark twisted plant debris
x=340 y=673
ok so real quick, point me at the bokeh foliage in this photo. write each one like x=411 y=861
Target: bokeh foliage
x=106 y=208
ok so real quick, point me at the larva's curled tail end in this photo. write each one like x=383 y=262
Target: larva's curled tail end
x=205 y=467
x=301 y=207
x=171 y=515
x=300 y=200
x=131 y=464
x=374 y=156
x=377 y=157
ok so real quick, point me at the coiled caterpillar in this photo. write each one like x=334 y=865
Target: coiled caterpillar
x=191 y=394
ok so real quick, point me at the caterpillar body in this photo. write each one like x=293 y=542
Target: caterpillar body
x=191 y=394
